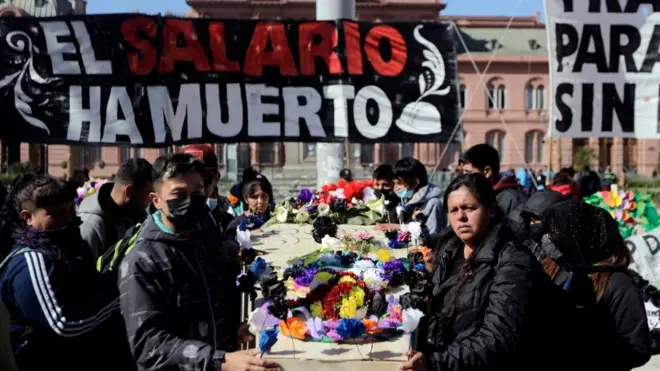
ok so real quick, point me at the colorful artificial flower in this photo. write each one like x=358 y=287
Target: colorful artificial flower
x=634 y=212
x=267 y=338
x=294 y=327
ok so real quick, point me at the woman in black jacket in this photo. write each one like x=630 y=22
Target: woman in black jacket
x=488 y=291
x=582 y=238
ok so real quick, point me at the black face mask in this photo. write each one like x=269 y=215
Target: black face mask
x=383 y=192
x=187 y=211
x=536 y=232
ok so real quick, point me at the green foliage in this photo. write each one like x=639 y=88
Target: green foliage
x=582 y=158
x=14 y=171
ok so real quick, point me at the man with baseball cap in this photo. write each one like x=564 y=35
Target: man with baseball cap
x=217 y=204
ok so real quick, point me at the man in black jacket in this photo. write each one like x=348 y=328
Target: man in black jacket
x=175 y=283
x=485 y=159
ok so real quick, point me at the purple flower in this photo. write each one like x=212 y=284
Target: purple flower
x=307 y=276
x=332 y=324
x=333 y=335
x=392 y=300
x=305 y=196
x=316 y=328
x=387 y=323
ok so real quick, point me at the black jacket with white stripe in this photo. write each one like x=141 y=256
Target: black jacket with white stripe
x=63 y=314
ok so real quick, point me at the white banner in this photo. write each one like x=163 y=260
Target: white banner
x=645 y=250
x=604 y=73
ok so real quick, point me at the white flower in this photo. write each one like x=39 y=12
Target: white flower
x=243 y=238
x=364 y=264
x=399 y=211
x=302 y=216
x=324 y=209
x=282 y=215
x=415 y=229
x=411 y=319
x=373 y=279
x=332 y=243
x=368 y=194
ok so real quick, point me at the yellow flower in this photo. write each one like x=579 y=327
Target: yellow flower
x=358 y=295
x=317 y=309
x=348 y=308
x=383 y=255
x=347 y=279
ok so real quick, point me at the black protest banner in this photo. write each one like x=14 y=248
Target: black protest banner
x=151 y=81
x=603 y=57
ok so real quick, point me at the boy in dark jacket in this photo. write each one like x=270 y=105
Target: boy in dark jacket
x=62 y=311
x=383 y=178
x=484 y=159
x=176 y=282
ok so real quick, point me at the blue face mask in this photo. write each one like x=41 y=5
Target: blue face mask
x=212 y=203
x=404 y=193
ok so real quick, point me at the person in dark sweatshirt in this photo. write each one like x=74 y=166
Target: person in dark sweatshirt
x=116 y=207
x=383 y=178
x=176 y=283
x=63 y=312
x=484 y=159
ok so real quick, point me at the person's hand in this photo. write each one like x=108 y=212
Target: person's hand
x=384 y=227
x=244 y=335
x=430 y=261
x=416 y=362
x=415 y=213
x=247 y=360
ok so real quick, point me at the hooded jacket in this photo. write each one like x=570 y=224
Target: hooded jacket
x=509 y=194
x=536 y=205
x=103 y=222
x=428 y=199
x=174 y=288
x=64 y=313
x=501 y=314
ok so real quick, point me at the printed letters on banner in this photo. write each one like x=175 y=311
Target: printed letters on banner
x=604 y=68
x=154 y=81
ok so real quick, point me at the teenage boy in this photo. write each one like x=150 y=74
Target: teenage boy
x=175 y=283
x=383 y=178
x=485 y=159
x=63 y=314
x=416 y=195
x=116 y=207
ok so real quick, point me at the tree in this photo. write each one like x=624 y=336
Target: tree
x=582 y=158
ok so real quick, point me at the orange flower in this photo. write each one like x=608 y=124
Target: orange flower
x=293 y=327
x=232 y=199
x=372 y=327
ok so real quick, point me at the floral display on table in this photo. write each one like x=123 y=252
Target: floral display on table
x=345 y=203
x=363 y=243
x=635 y=212
x=88 y=189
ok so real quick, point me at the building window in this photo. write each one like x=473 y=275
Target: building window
x=540 y=97
x=529 y=97
x=534 y=147
x=495 y=138
x=166 y=151
x=124 y=154
x=309 y=150
x=496 y=97
x=463 y=95
x=367 y=153
x=220 y=153
x=137 y=153
x=266 y=153
x=88 y=155
x=406 y=150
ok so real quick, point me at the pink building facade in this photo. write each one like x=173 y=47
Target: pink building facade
x=510 y=67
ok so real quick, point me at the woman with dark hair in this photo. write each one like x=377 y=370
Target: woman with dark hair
x=256 y=197
x=488 y=296
x=582 y=240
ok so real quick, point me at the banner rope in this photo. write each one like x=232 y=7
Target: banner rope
x=481 y=82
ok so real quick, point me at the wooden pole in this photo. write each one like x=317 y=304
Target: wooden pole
x=69 y=161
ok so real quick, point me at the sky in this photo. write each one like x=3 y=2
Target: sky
x=454 y=7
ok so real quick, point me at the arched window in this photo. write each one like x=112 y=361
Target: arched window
x=540 y=97
x=529 y=97
x=534 y=147
x=490 y=97
x=495 y=138
x=463 y=95
x=501 y=97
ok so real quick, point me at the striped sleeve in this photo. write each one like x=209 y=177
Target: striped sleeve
x=46 y=296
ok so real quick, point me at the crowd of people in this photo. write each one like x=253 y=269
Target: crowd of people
x=519 y=281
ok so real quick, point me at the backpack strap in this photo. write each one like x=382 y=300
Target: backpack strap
x=15 y=253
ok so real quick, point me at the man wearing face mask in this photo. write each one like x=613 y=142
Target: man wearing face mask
x=383 y=178
x=525 y=220
x=417 y=195
x=116 y=207
x=218 y=205
x=175 y=282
